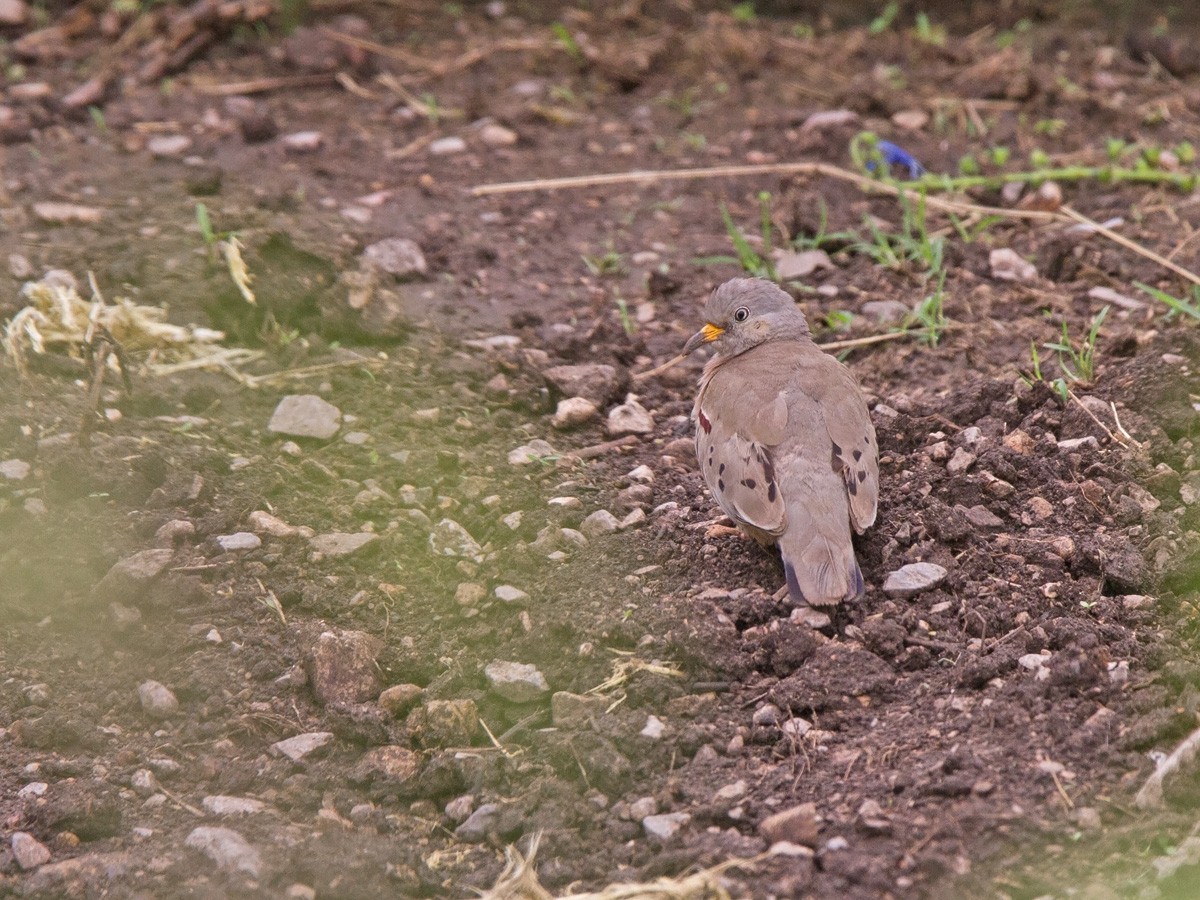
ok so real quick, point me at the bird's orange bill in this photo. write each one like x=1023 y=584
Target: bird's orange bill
x=705 y=335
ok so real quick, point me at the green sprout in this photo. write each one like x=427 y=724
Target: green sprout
x=1078 y=363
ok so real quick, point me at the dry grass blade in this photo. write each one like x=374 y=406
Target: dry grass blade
x=1132 y=245
x=627 y=666
x=57 y=320
x=1183 y=756
x=519 y=881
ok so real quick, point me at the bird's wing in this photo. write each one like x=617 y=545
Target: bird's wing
x=854 y=452
x=738 y=421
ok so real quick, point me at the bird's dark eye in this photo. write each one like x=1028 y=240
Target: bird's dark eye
x=741 y=315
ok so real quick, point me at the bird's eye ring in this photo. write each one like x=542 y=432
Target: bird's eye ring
x=741 y=315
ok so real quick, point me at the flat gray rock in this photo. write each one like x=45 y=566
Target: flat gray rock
x=28 y=851
x=400 y=257
x=302 y=745
x=516 y=682
x=228 y=849
x=478 y=824
x=158 y=701
x=910 y=580
x=220 y=805
x=597 y=382
x=305 y=416
x=129 y=579
x=239 y=540
x=340 y=544
x=665 y=826
x=448 y=538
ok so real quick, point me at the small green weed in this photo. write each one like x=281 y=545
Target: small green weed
x=610 y=263
x=886 y=17
x=743 y=13
x=930 y=313
x=753 y=262
x=1175 y=305
x=567 y=41
x=1078 y=363
x=627 y=321
x=823 y=238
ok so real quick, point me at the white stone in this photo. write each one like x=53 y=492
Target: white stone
x=32 y=790
x=306 y=416
x=228 y=849
x=341 y=544
x=447 y=145
x=28 y=851
x=653 y=728
x=158 y=701
x=219 y=805
x=573 y=412
x=14 y=469
x=960 y=461
x=302 y=745
x=448 y=538
x=509 y=594
x=303 y=141
x=516 y=682
x=169 y=144
x=535 y=451
x=240 y=540
x=630 y=418
x=1008 y=265
x=598 y=523
x=910 y=580
x=400 y=257
x=643 y=474
x=497 y=135
x=665 y=826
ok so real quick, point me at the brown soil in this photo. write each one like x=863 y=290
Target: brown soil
x=939 y=759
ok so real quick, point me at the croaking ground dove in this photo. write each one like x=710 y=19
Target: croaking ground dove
x=784 y=438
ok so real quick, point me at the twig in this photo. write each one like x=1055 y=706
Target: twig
x=182 y=804
x=1122 y=437
x=1151 y=794
x=599 y=449
x=261 y=85
x=1062 y=792
x=1132 y=245
x=658 y=370
x=865 y=182
x=414 y=61
x=492 y=738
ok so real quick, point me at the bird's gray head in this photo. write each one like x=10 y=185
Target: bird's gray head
x=745 y=312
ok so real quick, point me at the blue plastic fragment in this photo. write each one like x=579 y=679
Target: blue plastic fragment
x=898 y=156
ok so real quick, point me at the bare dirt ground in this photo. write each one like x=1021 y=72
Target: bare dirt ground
x=185 y=588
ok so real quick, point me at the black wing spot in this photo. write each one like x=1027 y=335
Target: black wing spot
x=750 y=483
x=857 y=455
x=720 y=484
x=721 y=471
x=771 y=492
x=767 y=464
x=837 y=451
x=852 y=487
x=862 y=475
